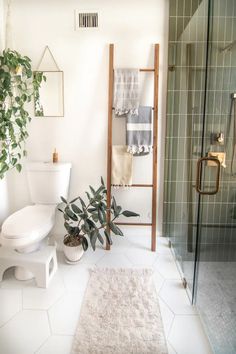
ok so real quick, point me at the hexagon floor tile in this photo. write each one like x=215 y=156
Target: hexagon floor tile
x=76 y=278
x=57 y=345
x=175 y=296
x=141 y=257
x=114 y=260
x=159 y=281
x=187 y=336
x=165 y=265
x=64 y=315
x=170 y=349
x=25 y=333
x=91 y=256
x=28 y=331
x=167 y=316
x=10 y=304
x=39 y=298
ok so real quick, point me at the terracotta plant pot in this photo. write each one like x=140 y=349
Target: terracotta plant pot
x=73 y=253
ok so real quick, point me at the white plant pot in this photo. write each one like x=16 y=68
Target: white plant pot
x=73 y=253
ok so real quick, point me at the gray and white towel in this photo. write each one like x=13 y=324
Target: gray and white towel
x=126 y=91
x=139 y=131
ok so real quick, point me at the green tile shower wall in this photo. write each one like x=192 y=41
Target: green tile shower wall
x=186 y=77
x=185 y=105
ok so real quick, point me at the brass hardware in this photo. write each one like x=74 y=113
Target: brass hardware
x=199 y=170
x=184 y=283
x=233 y=95
x=171 y=67
x=217 y=138
x=220 y=138
x=221 y=156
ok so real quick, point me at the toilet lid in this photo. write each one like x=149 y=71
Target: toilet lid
x=31 y=220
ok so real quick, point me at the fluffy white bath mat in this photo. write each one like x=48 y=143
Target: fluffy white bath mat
x=120 y=314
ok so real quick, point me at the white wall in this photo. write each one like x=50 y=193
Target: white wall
x=2 y=24
x=80 y=137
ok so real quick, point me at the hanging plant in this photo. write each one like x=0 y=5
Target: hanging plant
x=17 y=86
x=38 y=108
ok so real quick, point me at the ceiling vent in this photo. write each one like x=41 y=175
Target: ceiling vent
x=86 y=19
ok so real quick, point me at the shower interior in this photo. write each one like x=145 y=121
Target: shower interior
x=201 y=122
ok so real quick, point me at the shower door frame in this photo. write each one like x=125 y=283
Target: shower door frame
x=199 y=176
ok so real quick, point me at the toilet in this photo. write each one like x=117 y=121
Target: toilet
x=25 y=231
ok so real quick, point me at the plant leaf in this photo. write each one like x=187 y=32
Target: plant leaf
x=128 y=213
x=82 y=203
x=69 y=228
x=64 y=200
x=92 y=190
x=100 y=238
x=91 y=223
x=18 y=167
x=108 y=237
x=86 y=226
x=76 y=209
x=91 y=210
x=93 y=239
x=88 y=196
x=95 y=217
x=71 y=215
x=116 y=208
x=100 y=216
x=84 y=244
x=115 y=229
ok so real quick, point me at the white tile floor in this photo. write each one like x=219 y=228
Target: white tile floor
x=34 y=320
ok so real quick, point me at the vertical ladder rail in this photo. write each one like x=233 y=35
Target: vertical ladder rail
x=109 y=135
x=155 y=135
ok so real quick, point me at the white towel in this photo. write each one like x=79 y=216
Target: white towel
x=126 y=91
x=122 y=166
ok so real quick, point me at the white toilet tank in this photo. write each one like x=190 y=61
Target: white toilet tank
x=48 y=181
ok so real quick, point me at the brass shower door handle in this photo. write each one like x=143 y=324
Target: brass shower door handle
x=199 y=170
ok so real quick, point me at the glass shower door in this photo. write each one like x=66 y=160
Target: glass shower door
x=186 y=92
x=215 y=279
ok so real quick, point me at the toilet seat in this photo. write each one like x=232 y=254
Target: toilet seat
x=28 y=225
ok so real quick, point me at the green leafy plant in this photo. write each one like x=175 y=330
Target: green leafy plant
x=17 y=85
x=38 y=108
x=89 y=221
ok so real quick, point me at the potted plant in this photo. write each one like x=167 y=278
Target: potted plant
x=88 y=222
x=17 y=86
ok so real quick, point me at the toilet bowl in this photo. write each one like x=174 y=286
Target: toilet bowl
x=25 y=230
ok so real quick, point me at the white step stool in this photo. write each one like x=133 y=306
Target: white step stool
x=42 y=263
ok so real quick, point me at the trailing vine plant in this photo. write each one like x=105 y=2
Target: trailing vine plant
x=38 y=108
x=17 y=87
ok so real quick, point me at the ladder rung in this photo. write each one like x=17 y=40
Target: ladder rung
x=147 y=69
x=113 y=108
x=134 y=223
x=134 y=185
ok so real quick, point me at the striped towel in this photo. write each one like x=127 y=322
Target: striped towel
x=139 y=132
x=126 y=91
